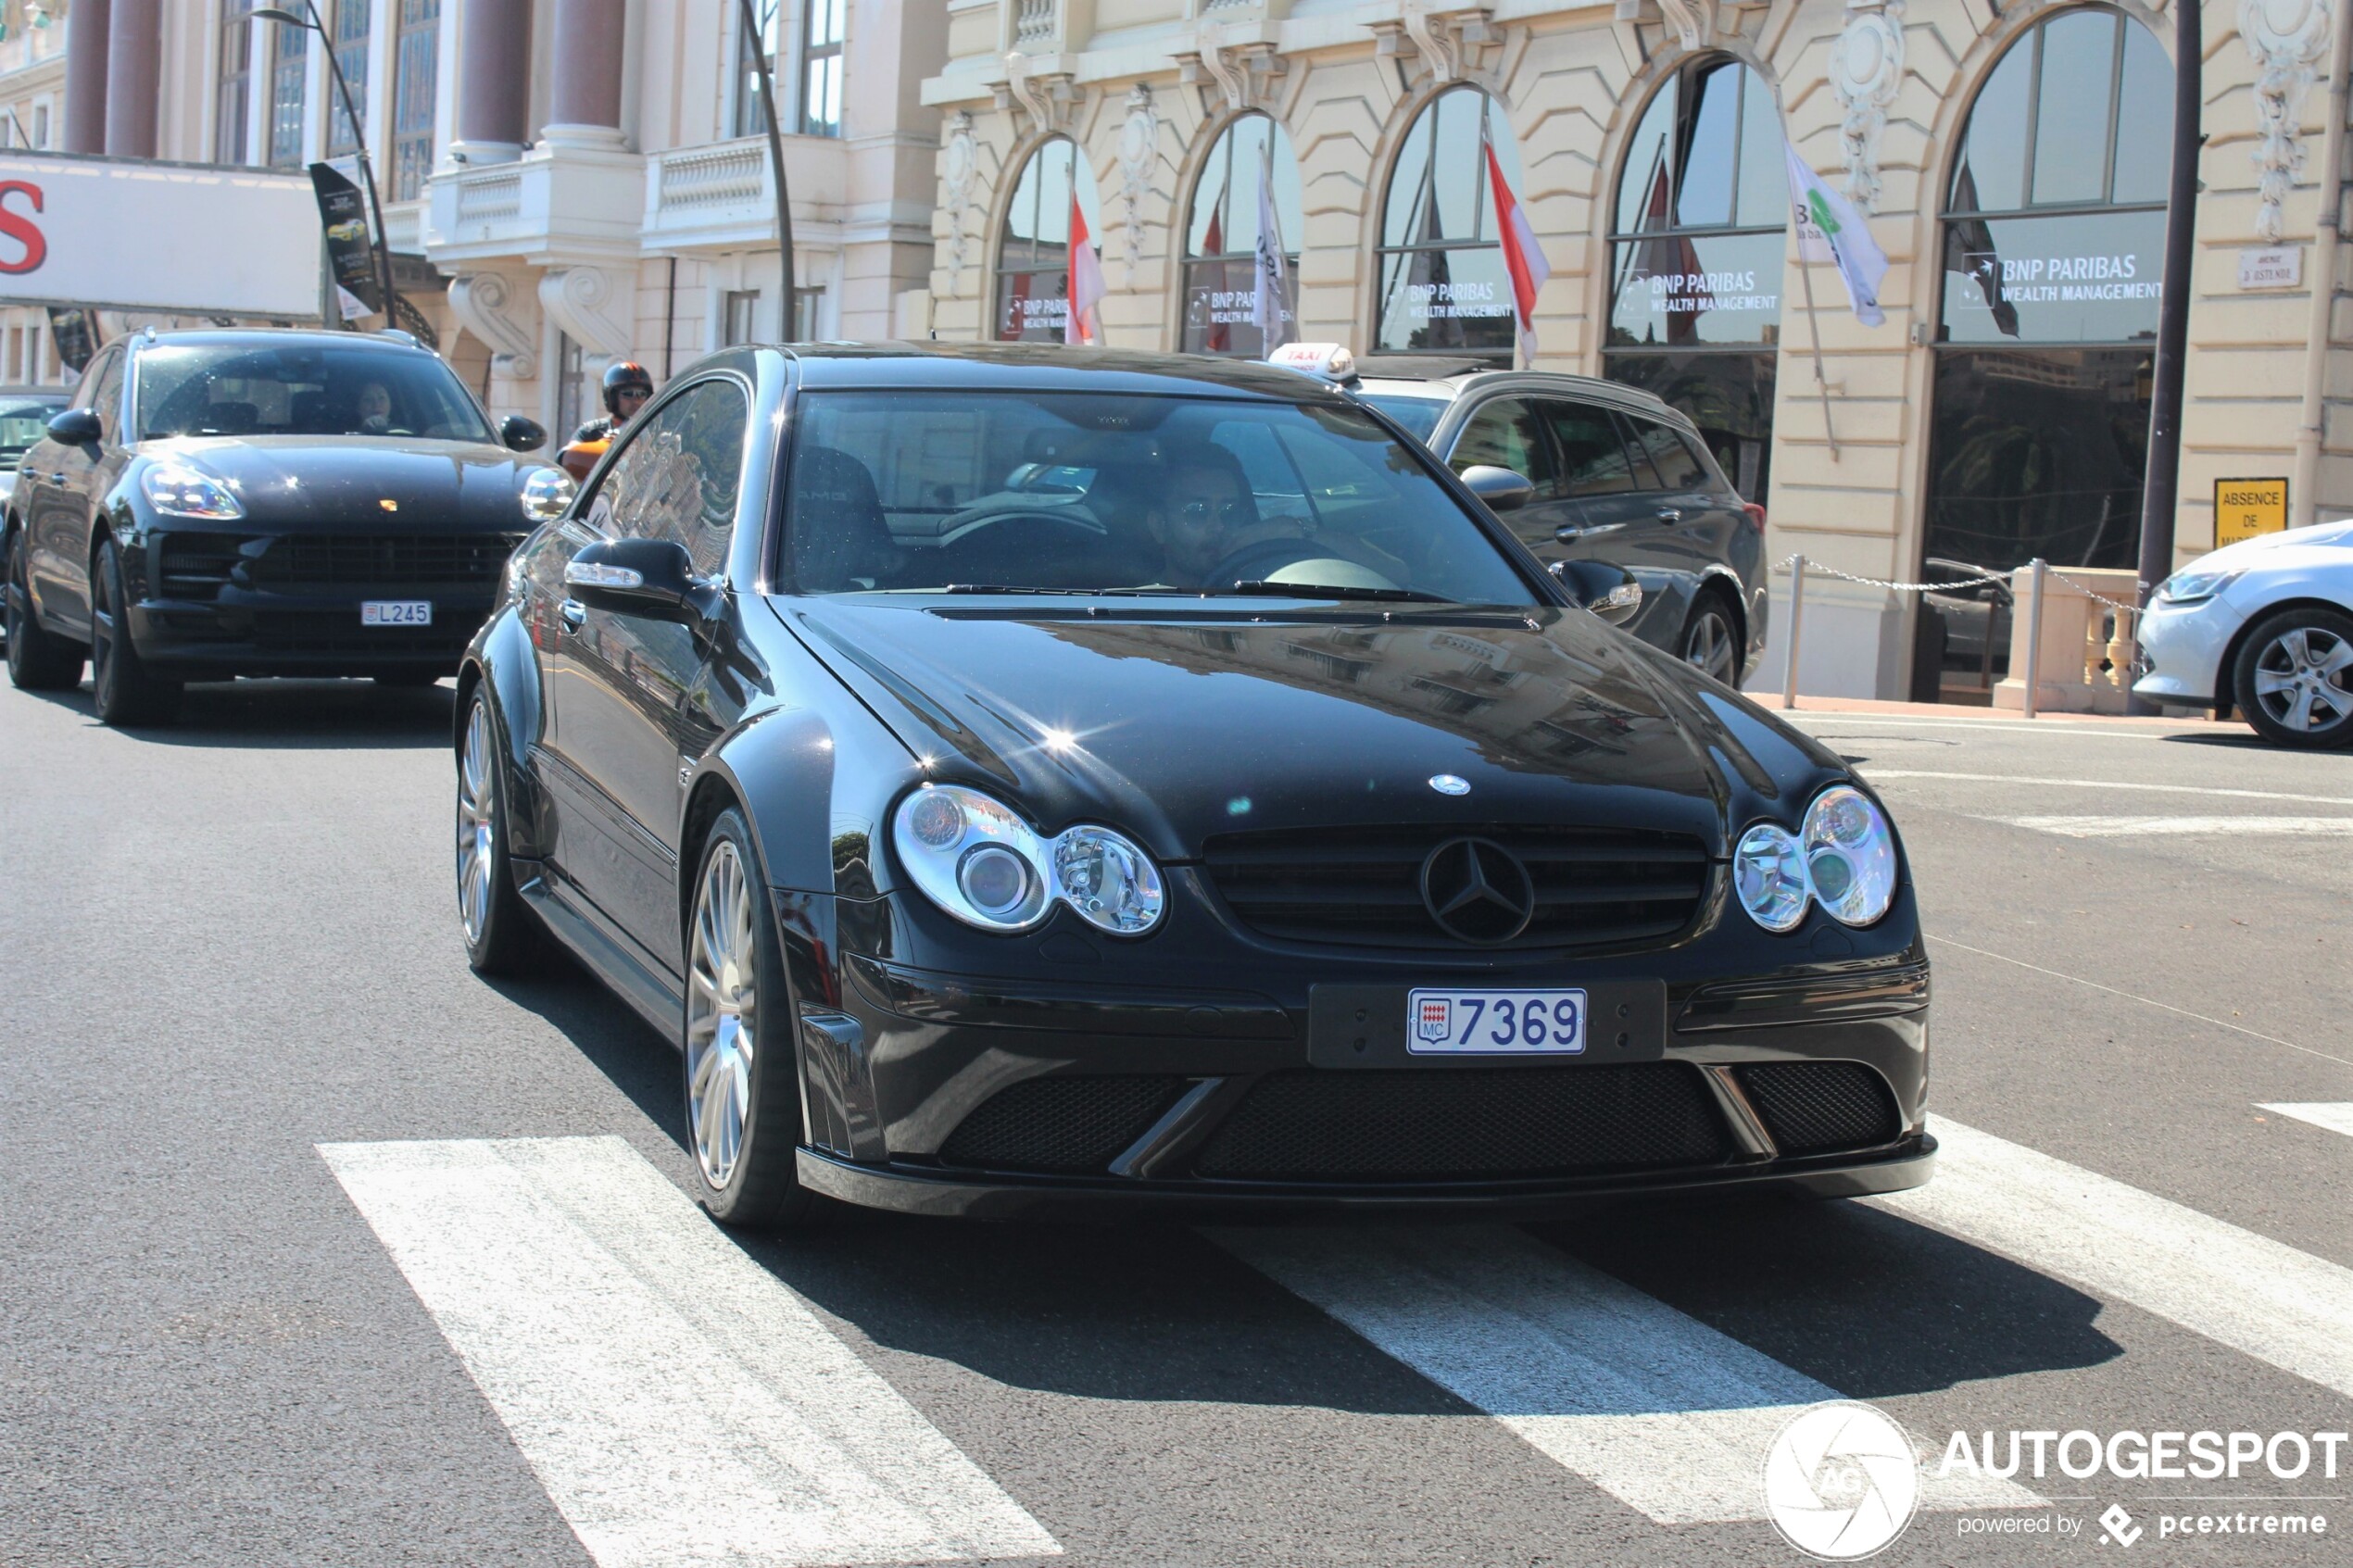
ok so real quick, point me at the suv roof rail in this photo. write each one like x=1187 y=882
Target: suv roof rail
x=399 y=336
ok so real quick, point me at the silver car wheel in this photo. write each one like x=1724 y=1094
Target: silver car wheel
x=477 y=823
x=1709 y=644
x=723 y=1014
x=2304 y=679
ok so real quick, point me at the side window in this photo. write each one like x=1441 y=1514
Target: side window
x=1670 y=455
x=1593 y=459
x=677 y=478
x=1505 y=434
x=107 y=396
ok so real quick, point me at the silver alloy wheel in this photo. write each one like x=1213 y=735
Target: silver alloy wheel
x=477 y=823
x=1709 y=644
x=2304 y=679
x=723 y=1014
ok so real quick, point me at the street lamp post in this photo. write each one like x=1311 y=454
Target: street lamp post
x=758 y=47
x=310 y=22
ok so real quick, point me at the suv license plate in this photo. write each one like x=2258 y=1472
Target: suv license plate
x=396 y=612
x=1495 y=1022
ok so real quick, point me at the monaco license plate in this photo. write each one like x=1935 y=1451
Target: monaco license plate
x=1485 y=1023
x=396 y=612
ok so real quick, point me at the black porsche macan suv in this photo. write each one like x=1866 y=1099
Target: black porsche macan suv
x=1020 y=777
x=222 y=503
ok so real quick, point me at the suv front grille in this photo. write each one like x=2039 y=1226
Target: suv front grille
x=304 y=561
x=196 y=566
x=1362 y=886
x=1467 y=1124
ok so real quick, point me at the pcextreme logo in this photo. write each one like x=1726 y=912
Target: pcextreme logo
x=1841 y=1480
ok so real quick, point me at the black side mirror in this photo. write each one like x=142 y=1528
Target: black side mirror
x=75 y=427
x=1502 y=490
x=521 y=435
x=1609 y=591
x=651 y=577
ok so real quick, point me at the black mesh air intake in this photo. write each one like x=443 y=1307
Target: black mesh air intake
x=1813 y=1107
x=1468 y=1124
x=1059 y=1125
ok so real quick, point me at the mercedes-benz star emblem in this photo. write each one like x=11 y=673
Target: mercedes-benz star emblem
x=1450 y=784
x=1477 y=891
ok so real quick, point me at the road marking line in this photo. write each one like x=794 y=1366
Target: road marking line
x=2336 y=1116
x=1833 y=718
x=2183 y=827
x=1655 y=1407
x=1872 y=772
x=2255 y=1295
x=681 y=1405
x=2145 y=1002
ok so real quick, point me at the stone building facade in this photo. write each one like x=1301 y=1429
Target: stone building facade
x=2010 y=157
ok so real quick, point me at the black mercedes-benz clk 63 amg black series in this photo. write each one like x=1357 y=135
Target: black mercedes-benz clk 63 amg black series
x=1023 y=778
x=220 y=503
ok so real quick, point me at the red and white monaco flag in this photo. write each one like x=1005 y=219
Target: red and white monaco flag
x=1523 y=257
x=1084 y=324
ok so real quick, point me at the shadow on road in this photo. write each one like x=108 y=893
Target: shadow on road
x=608 y=1035
x=291 y=715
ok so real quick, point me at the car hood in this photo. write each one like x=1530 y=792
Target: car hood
x=2326 y=545
x=326 y=480
x=1176 y=727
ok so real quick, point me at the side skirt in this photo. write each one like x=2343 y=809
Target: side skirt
x=607 y=957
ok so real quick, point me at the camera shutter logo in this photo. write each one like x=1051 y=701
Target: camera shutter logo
x=1841 y=1480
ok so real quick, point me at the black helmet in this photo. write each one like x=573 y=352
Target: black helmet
x=626 y=375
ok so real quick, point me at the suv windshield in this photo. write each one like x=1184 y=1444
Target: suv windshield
x=301 y=389
x=934 y=492
x=1418 y=415
x=23 y=420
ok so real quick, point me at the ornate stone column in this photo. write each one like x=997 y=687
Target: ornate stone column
x=494 y=82
x=586 y=106
x=86 y=28
x=135 y=77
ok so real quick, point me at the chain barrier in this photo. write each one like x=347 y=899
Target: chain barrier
x=2091 y=592
x=1816 y=566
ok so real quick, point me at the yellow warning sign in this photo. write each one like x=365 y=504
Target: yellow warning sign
x=2245 y=507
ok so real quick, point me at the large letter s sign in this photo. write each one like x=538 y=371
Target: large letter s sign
x=23 y=229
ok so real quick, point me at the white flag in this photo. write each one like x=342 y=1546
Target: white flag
x=1829 y=228
x=1270 y=307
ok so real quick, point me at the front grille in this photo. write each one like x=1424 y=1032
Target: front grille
x=1062 y=1124
x=196 y=566
x=1812 y=1107
x=1362 y=886
x=303 y=561
x=1483 y=1124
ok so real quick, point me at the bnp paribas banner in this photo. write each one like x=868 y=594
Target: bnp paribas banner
x=2068 y=279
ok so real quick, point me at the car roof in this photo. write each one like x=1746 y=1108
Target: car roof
x=1412 y=376
x=263 y=337
x=1044 y=367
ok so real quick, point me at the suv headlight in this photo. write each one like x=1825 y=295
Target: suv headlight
x=976 y=858
x=546 y=493
x=1843 y=858
x=2194 y=588
x=177 y=490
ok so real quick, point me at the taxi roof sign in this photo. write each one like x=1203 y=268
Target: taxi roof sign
x=1326 y=361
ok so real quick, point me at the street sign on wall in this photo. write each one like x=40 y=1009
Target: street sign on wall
x=137 y=234
x=2245 y=507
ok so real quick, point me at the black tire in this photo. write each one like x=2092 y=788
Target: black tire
x=38 y=660
x=122 y=688
x=752 y=1183
x=503 y=936
x=1710 y=640
x=2294 y=678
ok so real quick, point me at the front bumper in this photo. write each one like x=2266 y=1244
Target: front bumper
x=315 y=634
x=2182 y=651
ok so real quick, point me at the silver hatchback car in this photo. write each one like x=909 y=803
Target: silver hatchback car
x=1616 y=476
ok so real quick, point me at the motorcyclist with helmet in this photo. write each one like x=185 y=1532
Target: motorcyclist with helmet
x=626 y=388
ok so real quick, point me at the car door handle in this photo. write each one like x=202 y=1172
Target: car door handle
x=1670 y=514
x=575 y=614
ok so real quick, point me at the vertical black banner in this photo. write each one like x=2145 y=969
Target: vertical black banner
x=75 y=334
x=342 y=212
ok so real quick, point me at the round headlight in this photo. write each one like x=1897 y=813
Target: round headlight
x=546 y=493
x=978 y=860
x=1850 y=855
x=1769 y=874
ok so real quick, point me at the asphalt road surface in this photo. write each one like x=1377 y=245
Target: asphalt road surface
x=315 y=1249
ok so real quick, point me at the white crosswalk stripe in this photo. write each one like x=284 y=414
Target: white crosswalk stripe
x=2180 y=827
x=2334 y=1115
x=1651 y=1405
x=2255 y=1295
x=680 y=1404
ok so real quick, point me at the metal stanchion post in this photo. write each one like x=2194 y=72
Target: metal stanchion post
x=1797 y=618
x=2033 y=634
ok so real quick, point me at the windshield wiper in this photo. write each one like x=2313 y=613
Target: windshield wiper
x=1262 y=588
x=1063 y=593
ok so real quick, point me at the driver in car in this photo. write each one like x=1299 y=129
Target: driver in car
x=1207 y=517
x=374 y=409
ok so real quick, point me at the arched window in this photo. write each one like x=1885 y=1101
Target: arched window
x=2054 y=240
x=1221 y=235
x=1443 y=288
x=1033 y=249
x=1696 y=240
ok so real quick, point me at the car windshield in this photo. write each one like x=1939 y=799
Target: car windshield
x=934 y=492
x=1418 y=415
x=23 y=420
x=301 y=389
